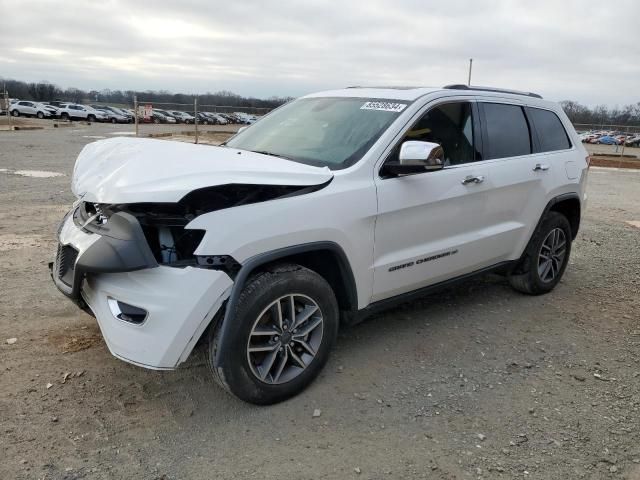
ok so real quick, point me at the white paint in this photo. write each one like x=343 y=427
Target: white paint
x=98 y=137
x=122 y=133
x=431 y=223
x=130 y=170
x=37 y=173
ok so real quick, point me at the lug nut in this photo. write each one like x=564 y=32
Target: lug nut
x=285 y=326
x=276 y=338
x=291 y=344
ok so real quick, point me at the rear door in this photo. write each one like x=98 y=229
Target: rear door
x=520 y=175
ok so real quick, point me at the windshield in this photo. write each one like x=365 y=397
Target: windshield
x=332 y=132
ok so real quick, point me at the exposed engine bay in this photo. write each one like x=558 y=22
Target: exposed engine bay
x=163 y=224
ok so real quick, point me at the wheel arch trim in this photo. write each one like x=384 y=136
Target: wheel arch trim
x=261 y=259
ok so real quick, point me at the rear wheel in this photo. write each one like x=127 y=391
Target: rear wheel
x=64 y=116
x=40 y=115
x=15 y=113
x=113 y=120
x=546 y=257
x=91 y=118
x=285 y=325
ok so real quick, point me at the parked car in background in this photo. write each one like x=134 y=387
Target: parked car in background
x=112 y=116
x=55 y=111
x=182 y=117
x=606 y=140
x=632 y=141
x=75 y=111
x=205 y=119
x=167 y=114
x=29 y=109
x=159 y=117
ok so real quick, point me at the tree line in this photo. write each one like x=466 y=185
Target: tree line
x=601 y=114
x=47 y=92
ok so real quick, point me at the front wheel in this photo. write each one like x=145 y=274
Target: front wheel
x=15 y=113
x=91 y=118
x=113 y=120
x=546 y=257
x=284 y=326
x=40 y=115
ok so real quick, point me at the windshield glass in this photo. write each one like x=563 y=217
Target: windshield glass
x=332 y=132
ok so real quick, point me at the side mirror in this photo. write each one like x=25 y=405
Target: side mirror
x=417 y=157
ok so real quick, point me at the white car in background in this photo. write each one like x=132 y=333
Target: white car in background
x=29 y=109
x=75 y=111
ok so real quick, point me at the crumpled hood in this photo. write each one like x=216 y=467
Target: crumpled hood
x=134 y=170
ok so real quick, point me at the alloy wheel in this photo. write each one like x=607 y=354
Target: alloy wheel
x=285 y=339
x=551 y=256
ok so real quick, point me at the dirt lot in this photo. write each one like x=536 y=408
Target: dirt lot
x=475 y=382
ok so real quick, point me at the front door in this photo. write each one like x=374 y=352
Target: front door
x=431 y=226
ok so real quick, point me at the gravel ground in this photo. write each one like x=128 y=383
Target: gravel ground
x=474 y=382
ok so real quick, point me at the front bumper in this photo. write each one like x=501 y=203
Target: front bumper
x=180 y=302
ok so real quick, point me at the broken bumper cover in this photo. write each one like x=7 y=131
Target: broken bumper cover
x=179 y=302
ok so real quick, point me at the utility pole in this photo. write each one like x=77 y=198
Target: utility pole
x=5 y=94
x=470 y=65
x=135 y=111
x=195 y=114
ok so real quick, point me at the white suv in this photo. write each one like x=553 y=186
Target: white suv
x=331 y=207
x=30 y=109
x=74 y=111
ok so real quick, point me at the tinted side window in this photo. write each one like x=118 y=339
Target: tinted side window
x=551 y=132
x=507 y=130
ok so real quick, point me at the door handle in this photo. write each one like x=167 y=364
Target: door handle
x=473 y=179
x=540 y=167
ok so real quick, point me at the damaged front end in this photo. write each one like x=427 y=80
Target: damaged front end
x=145 y=235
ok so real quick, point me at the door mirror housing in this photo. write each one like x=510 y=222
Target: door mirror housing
x=417 y=157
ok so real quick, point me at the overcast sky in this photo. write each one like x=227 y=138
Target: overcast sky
x=583 y=50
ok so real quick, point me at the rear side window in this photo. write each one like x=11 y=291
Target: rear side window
x=551 y=132
x=507 y=131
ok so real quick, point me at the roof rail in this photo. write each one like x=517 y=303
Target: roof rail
x=490 y=89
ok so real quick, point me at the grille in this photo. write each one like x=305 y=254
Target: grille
x=65 y=261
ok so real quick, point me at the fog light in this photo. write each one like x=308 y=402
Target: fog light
x=125 y=312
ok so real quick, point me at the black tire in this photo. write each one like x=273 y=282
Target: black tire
x=91 y=118
x=236 y=375
x=64 y=116
x=113 y=120
x=15 y=113
x=40 y=115
x=526 y=278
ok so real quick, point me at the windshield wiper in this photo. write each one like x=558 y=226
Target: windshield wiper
x=271 y=154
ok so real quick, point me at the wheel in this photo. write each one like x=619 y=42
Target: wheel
x=15 y=113
x=91 y=118
x=284 y=326
x=156 y=121
x=113 y=120
x=40 y=115
x=64 y=116
x=546 y=257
